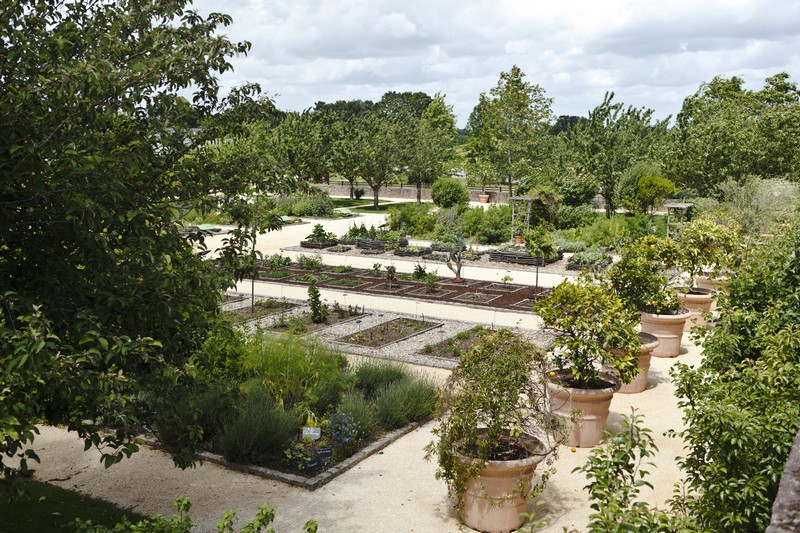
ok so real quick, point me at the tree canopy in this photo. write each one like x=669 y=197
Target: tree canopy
x=103 y=297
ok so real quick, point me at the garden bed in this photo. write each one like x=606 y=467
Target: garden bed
x=520 y=255
x=425 y=293
x=453 y=347
x=476 y=297
x=388 y=332
x=262 y=308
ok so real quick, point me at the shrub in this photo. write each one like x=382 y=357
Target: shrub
x=320 y=236
x=419 y=272
x=277 y=262
x=358 y=193
x=374 y=376
x=405 y=401
x=589 y=258
x=306 y=205
x=310 y=262
x=568 y=245
x=259 y=433
x=222 y=351
x=449 y=192
x=319 y=311
x=540 y=242
x=575 y=216
x=576 y=190
x=296 y=371
x=362 y=421
x=411 y=219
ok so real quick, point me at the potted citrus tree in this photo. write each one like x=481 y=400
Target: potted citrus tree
x=495 y=426
x=706 y=247
x=590 y=321
x=639 y=278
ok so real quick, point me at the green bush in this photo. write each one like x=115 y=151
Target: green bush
x=305 y=205
x=489 y=226
x=742 y=404
x=449 y=192
x=310 y=262
x=362 y=417
x=277 y=262
x=260 y=431
x=296 y=371
x=371 y=377
x=569 y=216
x=576 y=190
x=569 y=246
x=411 y=219
x=405 y=401
x=222 y=351
x=615 y=231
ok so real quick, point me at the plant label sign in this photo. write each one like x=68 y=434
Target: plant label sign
x=311 y=465
x=325 y=453
x=312 y=433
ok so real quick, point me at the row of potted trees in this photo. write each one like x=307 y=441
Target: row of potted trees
x=508 y=405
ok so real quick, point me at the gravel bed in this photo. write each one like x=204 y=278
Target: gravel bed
x=557 y=267
x=406 y=351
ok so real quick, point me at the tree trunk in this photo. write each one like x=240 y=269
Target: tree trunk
x=419 y=192
x=375 y=197
x=352 y=190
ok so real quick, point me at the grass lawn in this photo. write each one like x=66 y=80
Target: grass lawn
x=49 y=508
x=347 y=202
x=382 y=208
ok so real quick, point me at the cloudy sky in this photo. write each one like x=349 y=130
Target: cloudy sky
x=651 y=54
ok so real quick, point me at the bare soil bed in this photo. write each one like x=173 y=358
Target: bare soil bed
x=389 y=332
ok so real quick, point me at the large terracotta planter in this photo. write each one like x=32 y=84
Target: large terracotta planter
x=518 y=239
x=697 y=301
x=668 y=329
x=489 y=501
x=714 y=285
x=484 y=198
x=647 y=344
x=590 y=408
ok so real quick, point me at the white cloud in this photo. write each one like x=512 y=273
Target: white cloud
x=651 y=54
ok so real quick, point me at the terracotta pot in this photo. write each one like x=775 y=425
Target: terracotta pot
x=484 y=198
x=589 y=406
x=713 y=285
x=647 y=344
x=668 y=329
x=489 y=501
x=517 y=239
x=697 y=301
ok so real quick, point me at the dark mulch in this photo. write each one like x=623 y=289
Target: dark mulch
x=479 y=293
x=262 y=308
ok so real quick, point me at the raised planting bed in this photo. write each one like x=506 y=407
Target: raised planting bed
x=345 y=282
x=339 y=248
x=453 y=347
x=425 y=293
x=274 y=274
x=389 y=332
x=527 y=303
x=476 y=297
x=261 y=309
x=317 y=245
x=520 y=255
x=300 y=324
x=304 y=278
x=504 y=287
x=412 y=251
x=389 y=287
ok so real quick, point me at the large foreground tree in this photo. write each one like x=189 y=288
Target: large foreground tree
x=103 y=299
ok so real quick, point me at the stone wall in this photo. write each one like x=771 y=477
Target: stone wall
x=409 y=193
x=786 y=509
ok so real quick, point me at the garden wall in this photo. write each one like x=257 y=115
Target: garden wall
x=786 y=509
x=409 y=193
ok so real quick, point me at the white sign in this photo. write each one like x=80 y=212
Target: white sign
x=312 y=433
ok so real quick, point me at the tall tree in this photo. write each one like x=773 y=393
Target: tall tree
x=727 y=132
x=512 y=121
x=103 y=297
x=429 y=144
x=377 y=153
x=612 y=139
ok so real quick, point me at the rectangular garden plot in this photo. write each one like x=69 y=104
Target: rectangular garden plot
x=261 y=309
x=346 y=283
x=423 y=292
x=505 y=287
x=476 y=298
x=390 y=288
x=389 y=332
